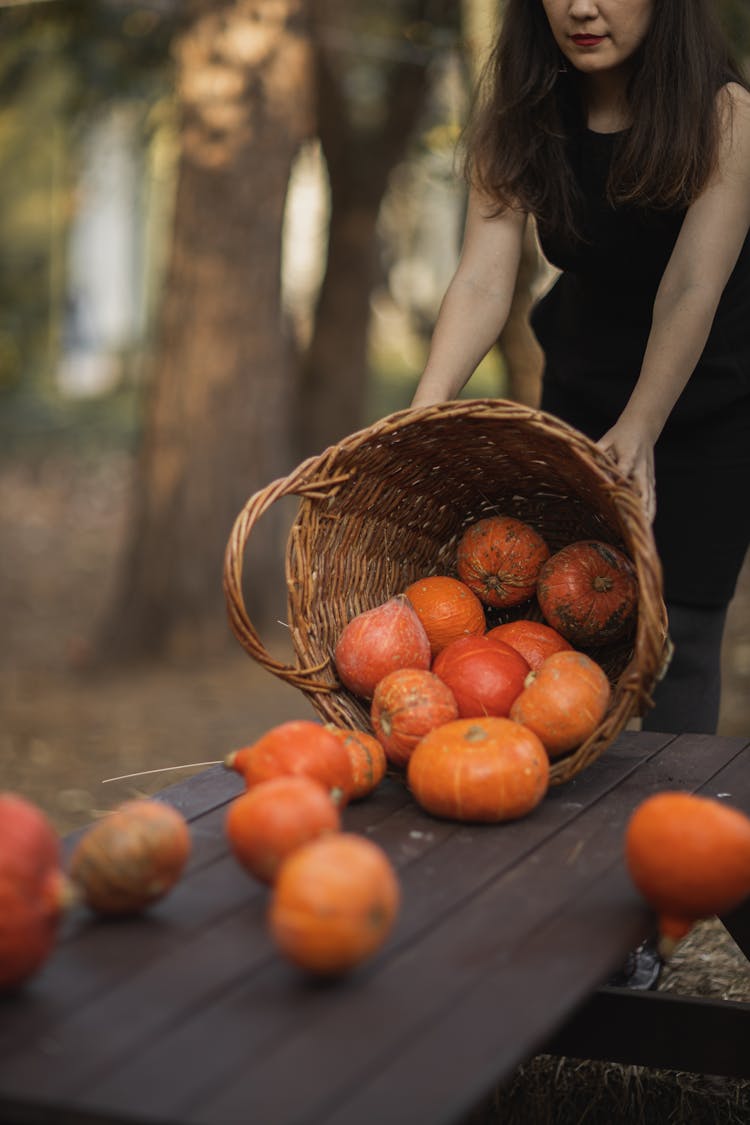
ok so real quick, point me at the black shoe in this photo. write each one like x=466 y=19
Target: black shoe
x=641 y=970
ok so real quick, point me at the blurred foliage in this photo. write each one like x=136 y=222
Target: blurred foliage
x=735 y=16
x=64 y=62
x=106 y=50
x=61 y=63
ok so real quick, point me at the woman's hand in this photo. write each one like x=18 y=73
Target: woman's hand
x=633 y=454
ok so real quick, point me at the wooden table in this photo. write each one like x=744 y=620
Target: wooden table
x=188 y=1016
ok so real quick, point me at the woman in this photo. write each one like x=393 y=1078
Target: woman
x=623 y=128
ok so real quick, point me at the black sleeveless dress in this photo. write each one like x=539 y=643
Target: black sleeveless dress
x=593 y=326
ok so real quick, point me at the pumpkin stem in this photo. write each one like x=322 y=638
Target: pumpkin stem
x=671 y=932
x=475 y=734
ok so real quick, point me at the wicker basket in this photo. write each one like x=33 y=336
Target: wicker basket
x=386 y=506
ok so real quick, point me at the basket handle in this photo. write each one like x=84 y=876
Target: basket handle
x=299 y=483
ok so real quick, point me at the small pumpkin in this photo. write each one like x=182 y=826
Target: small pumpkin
x=499 y=558
x=588 y=592
x=334 y=903
x=406 y=705
x=33 y=889
x=299 y=746
x=533 y=639
x=484 y=674
x=131 y=858
x=689 y=856
x=268 y=822
x=378 y=641
x=563 y=701
x=447 y=609
x=489 y=769
x=366 y=756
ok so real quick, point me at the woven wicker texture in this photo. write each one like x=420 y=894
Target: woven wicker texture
x=386 y=506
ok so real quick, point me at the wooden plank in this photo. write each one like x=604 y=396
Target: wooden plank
x=708 y=1036
x=659 y=1029
x=426 y=983
x=440 y=884
x=480 y=1038
x=99 y=955
x=106 y=954
x=25 y=1113
x=279 y=990
x=353 y=1024
x=738 y=925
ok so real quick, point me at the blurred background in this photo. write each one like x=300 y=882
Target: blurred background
x=226 y=230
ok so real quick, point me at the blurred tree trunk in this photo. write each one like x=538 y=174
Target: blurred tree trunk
x=217 y=424
x=360 y=158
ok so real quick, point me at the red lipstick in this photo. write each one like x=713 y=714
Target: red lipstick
x=587 y=40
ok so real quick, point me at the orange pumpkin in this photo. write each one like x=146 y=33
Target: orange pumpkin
x=33 y=889
x=299 y=746
x=484 y=674
x=499 y=558
x=131 y=858
x=564 y=701
x=689 y=856
x=488 y=769
x=268 y=822
x=533 y=639
x=377 y=642
x=588 y=591
x=334 y=903
x=366 y=756
x=447 y=609
x=406 y=705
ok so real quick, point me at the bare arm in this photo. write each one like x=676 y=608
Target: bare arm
x=476 y=303
x=704 y=256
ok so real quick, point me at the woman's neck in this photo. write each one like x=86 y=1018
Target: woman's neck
x=605 y=101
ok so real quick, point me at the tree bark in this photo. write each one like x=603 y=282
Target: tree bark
x=217 y=422
x=335 y=370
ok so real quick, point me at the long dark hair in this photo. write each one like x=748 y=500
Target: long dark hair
x=528 y=104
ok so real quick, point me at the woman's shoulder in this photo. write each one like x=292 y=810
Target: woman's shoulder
x=733 y=98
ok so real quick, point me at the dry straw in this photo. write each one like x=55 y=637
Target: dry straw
x=386 y=506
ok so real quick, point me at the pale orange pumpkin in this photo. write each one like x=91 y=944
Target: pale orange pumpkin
x=378 y=641
x=489 y=769
x=406 y=705
x=132 y=857
x=269 y=821
x=447 y=609
x=689 y=856
x=334 y=903
x=563 y=701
